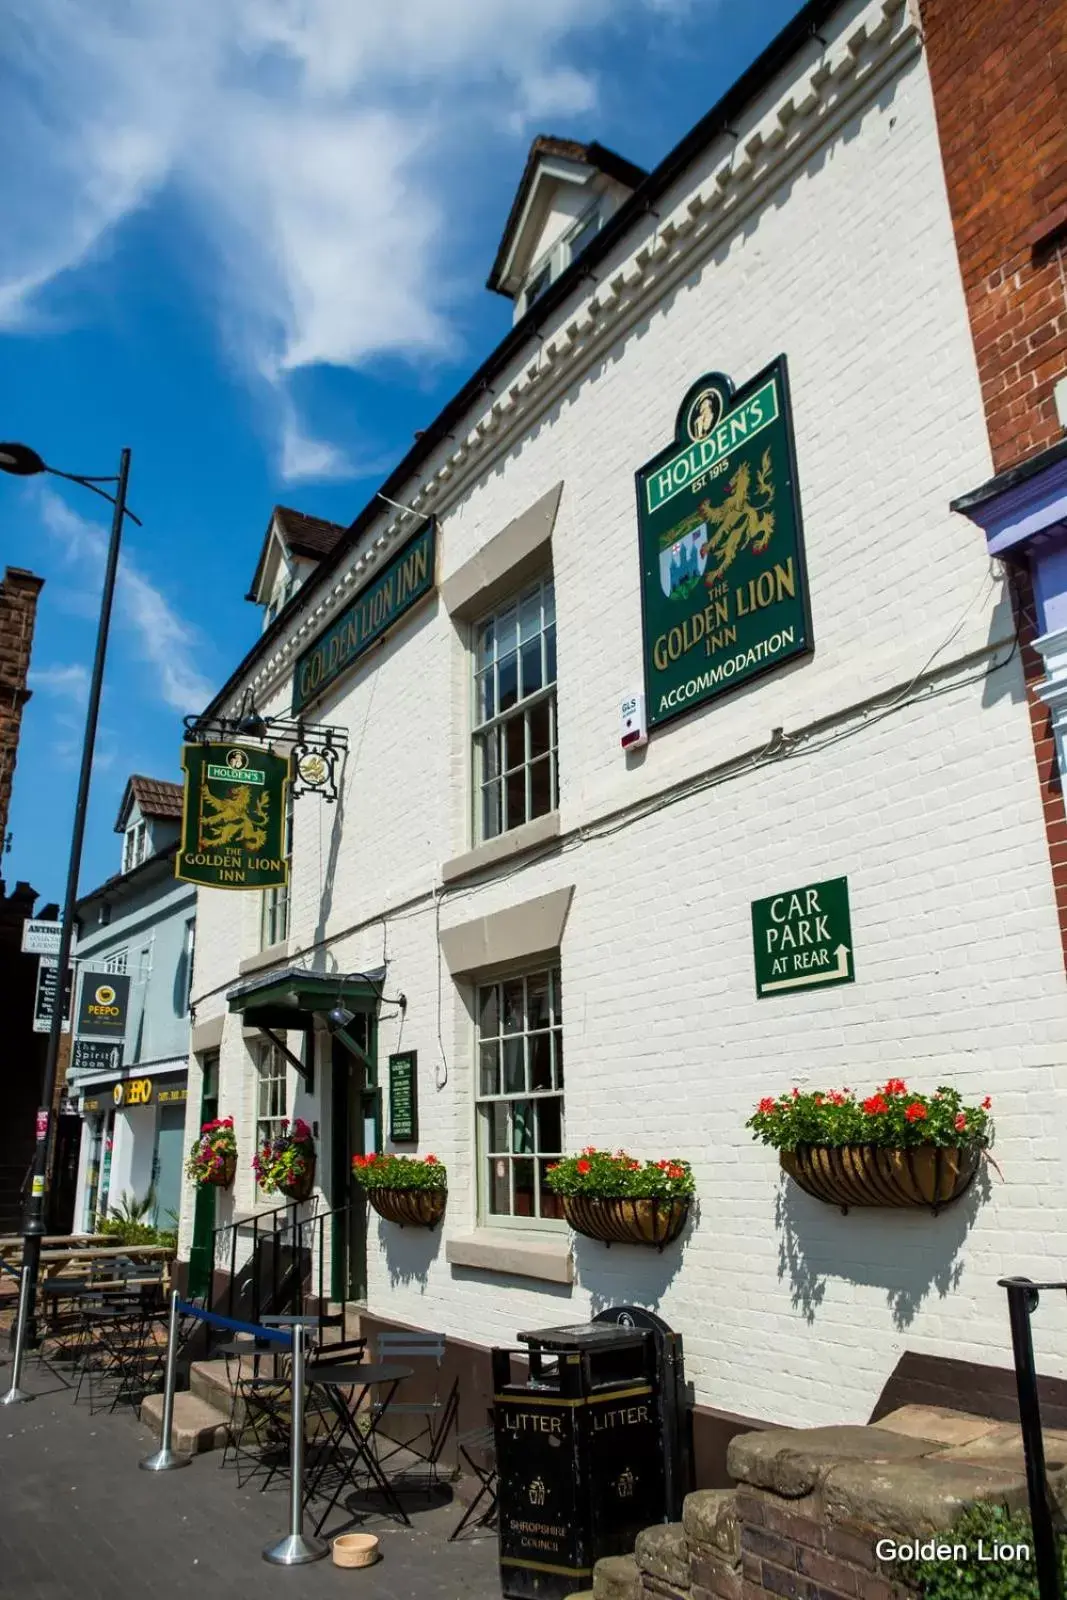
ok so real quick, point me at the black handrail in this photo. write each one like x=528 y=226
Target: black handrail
x=1023 y=1298
x=287 y=1292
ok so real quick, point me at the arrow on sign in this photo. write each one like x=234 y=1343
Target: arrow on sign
x=840 y=971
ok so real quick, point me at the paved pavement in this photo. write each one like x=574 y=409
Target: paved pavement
x=79 y=1521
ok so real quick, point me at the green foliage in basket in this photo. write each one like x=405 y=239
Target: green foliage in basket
x=399 y=1172
x=605 y=1175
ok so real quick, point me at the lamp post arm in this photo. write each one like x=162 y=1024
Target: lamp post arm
x=91 y=483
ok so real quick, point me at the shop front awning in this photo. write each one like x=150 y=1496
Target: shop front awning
x=289 y=999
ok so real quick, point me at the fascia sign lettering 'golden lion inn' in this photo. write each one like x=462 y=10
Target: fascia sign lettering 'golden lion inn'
x=677 y=632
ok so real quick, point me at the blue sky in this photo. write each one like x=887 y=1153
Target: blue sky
x=249 y=239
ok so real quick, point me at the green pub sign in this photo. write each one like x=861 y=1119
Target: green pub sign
x=802 y=938
x=400 y=584
x=404 y=1098
x=724 y=590
x=233 y=818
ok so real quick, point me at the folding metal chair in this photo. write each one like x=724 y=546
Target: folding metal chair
x=478 y=1449
x=440 y=1412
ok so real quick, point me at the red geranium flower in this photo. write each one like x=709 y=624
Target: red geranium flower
x=431 y=1161
x=895 y=1086
x=961 y=1121
x=837 y=1098
x=876 y=1105
x=916 y=1112
x=583 y=1167
x=766 y=1104
x=796 y=1094
x=986 y=1103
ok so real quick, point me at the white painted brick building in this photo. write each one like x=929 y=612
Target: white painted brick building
x=905 y=763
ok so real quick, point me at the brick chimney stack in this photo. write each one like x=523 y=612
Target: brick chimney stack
x=18 y=610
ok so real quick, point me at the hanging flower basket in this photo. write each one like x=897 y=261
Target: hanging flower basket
x=403 y=1189
x=299 y=1185
x=619 y=1200
x=212 y=1161
x=286 y=1164
x=865 y=1175
x=895 y=1148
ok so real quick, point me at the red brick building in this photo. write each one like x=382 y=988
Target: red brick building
x=23 y=1049
x=999 y=75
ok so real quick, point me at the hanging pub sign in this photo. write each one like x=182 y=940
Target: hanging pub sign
x=44 y=1003
x=92 y=1056
x=401 y=582
x=104 y=1004
x=233 y=818
x=723 y=586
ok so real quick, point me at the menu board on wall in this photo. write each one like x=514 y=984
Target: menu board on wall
x=404 y=1098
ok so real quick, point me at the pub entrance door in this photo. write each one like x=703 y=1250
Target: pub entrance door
x=201 y=1251
x=355 y=1122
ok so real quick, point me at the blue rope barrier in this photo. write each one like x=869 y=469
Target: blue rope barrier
x=234 y=1324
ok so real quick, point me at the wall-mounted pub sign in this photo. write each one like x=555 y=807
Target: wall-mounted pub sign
x=404 y=1098
x=401 y=582
x=92 y=1055
x=104 y=1004
x=723 y=585
x=233 y=817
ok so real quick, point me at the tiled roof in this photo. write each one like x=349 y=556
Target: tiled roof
x=155 y=796
x=312 y=537
x=307 y=536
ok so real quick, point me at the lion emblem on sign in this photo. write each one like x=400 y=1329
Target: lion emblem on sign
x=742 y=520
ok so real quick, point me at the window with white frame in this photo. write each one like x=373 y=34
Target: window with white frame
x=270 y=1091
x=274 y=923
x=515 y=766
x=555 y=261
x=135 y=847
x=118 y=961
x=519 y=1096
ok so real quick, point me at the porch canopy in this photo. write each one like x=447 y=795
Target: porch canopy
x=285 y=1000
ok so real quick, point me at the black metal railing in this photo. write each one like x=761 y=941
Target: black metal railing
x=1023 y=1299
x=285 y=1268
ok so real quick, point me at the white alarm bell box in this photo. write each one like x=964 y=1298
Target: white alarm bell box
x=634 y=723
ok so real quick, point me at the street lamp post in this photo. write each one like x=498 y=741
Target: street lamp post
x=21 y=461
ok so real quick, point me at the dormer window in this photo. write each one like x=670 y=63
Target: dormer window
x=567 y=193
x=135 y=847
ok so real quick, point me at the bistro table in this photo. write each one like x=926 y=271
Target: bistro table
x=361 y=1377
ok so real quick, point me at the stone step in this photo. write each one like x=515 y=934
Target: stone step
x=617 y=1578
x=663 y=1553
x=209 y=1381
x=197 y=1426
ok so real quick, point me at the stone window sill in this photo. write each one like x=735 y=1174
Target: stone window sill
x=518 y=1254
x=505 y=847
x=271 y=957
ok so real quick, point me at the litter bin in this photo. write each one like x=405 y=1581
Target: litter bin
x=676 y=1410
x=579 y=1448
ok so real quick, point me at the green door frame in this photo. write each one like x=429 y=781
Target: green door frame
x=354 y=1076
x=202 y=1248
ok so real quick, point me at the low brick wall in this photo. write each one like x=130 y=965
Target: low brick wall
x=811 y=1507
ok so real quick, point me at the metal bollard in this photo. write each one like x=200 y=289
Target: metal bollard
x=17 y=1396
x=165 y=1459
x=1022 y=1302
x=295 y=1550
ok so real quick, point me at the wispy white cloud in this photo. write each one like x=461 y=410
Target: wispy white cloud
x=69 y=683
x=162 y=638
x=321 y=145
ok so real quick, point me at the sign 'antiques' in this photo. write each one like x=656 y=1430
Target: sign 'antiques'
x=233 y=817
x=723 y=584
x=802 y=938
x=104 y=1005
x=404 y=1098
x=401 y=582
x=40 y=938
